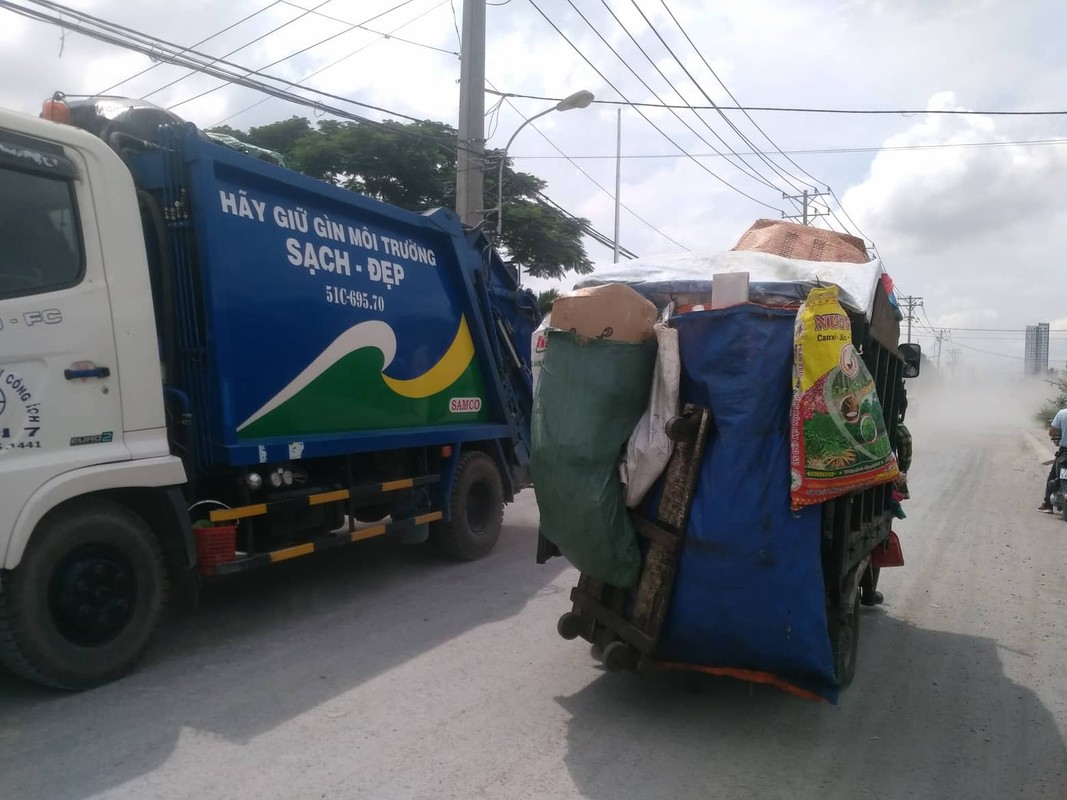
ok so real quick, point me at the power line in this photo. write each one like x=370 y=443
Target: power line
x=925 y=317
x=804 y=110
x=806 y=201
x=1014 y=330
x=836 y=150
x=987 y=352
x=645 y=116
x=742 y=166
x=129 y=39
x=160 y=49
x=911 y=303
x=455 y=23
x=333 y=64
x=237 y=49
x=1002 y=330
x=586 y=227
x=319 y=43
x=383 y=34
x=492 y=116
x=864 y=236
x=215 y=35
x=593 y=180
x=789 y=179
x=726 y=89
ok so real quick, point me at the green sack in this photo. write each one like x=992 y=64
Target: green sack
x=590 y=395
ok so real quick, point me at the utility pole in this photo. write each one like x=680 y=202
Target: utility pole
x=618 y=178
x=941 y=334
x=911 y=303
x=470 y=176
x=953 y=358
x=806 y=214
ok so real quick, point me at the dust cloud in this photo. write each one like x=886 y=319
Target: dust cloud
x=975 y=405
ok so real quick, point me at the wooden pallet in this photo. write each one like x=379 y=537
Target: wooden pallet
x=624 y=625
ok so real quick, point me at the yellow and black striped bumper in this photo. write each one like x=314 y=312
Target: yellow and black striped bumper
x=327 y=542
x=361 y=492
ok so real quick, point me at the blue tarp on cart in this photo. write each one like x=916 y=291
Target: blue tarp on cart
x=749 y=594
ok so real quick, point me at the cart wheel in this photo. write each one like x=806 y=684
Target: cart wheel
x=570 y=626
x=844 y=642
x=678 y=429
x=619 y=656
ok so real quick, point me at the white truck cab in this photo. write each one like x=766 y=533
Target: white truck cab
x=123 y=469
x=82 y=431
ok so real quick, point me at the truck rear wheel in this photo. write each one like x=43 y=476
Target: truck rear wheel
x=477 y=509
x=81 y=607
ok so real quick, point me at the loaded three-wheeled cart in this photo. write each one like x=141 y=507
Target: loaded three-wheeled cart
x=734 y=578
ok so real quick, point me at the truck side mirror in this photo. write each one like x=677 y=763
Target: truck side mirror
x=912 y=355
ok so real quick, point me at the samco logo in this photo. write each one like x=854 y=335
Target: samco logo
x=465 y=405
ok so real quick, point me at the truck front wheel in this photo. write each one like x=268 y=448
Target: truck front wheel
x=477 y=509
x=81 y=607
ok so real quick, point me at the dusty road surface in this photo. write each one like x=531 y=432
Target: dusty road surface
x=389 y=674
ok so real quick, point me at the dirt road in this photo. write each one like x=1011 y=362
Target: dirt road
x=387 y=673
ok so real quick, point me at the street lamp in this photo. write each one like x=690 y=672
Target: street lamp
x=579 y=99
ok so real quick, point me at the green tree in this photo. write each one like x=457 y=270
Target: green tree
x=1058 y=400
x=413 y=166
x=546 y=298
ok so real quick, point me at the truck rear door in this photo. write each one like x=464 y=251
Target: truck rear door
x=60 y=407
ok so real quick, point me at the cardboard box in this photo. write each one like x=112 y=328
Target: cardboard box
x=803 y=242
x=612 y=311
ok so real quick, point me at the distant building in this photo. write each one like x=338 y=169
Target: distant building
x=1036 y=358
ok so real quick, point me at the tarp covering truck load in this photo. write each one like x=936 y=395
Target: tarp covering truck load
x=777 y=472
x=209 y=361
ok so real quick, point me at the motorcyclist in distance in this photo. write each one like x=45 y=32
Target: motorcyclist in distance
x=1057 y=432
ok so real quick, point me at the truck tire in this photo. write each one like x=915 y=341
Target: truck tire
x=477 y=509
x=81 y=607
x=844 y=644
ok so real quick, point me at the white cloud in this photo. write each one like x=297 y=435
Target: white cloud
x=920 y=200
x=973 y=230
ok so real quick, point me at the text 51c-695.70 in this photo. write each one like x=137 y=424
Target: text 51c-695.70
x=354 y=299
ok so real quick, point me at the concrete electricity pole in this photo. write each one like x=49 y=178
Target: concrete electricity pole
x=953 y=358
x=941 y=334
x=806 y=214
x=910 y=303
x=618 y=178
x=470 y=164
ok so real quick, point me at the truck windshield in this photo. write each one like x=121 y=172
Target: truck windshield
x=40 y=246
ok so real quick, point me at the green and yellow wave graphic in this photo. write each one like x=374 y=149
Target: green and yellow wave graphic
x=346 y=389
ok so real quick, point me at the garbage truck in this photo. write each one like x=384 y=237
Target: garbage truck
x=211 y=364
x=769 y=508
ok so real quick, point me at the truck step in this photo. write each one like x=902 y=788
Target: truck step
x=335 y=539
x=365 y=491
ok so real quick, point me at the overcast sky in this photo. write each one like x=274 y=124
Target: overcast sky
x=976 y=231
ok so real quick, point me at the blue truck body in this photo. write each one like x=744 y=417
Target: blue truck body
x=282 y=279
